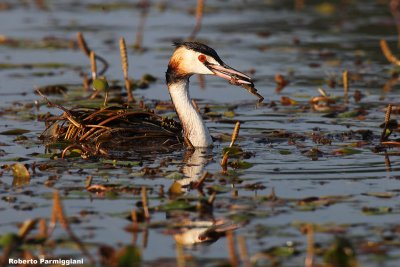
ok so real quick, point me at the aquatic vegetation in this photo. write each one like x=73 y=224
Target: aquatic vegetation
x=310 y=177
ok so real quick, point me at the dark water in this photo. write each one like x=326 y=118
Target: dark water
x=307 y=46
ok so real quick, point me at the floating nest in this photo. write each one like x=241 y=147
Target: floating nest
x=100 y=131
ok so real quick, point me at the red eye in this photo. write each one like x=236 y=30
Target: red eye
x=202 y=58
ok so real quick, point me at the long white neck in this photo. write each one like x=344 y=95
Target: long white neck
x=193 y=126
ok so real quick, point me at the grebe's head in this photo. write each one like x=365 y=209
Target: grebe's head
x=196 y=58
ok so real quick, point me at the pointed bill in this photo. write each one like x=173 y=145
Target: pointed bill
x=230 y=74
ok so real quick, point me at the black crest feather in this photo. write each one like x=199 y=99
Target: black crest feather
x=199 y=47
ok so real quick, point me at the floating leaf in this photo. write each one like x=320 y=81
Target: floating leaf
x=229 y=114
x=240 y=164
x=285 y=152
x=177 y=205
x=232 y=151
x=380 y=194
x=282 y=251
x=15 y=132
x=174 y=176
x=376 y=210
x=346 y=151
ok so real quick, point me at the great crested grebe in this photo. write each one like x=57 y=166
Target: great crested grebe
x=137 y=129
x=195 y=58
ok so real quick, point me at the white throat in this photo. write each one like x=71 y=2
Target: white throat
x=193 y=126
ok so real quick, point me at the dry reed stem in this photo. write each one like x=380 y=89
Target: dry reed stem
x=388 y=54
x=233 y=258
x=125 y=68
x=309 y=261
x=26 y=227
x=124 y=57
x=199 y=18
x=244 y=255
x=82 y=44
x=145 y=203
x=93 y=65
x=88 y=133
x=345 y=76
x=86 y=50
x=58 y=215
x=387 y=118
x=235 y=135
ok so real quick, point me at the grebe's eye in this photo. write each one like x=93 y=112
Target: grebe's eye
x=202 y=58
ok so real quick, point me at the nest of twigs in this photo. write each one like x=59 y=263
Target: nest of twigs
x=98 y=130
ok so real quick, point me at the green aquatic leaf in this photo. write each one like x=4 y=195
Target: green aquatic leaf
x=100 y=84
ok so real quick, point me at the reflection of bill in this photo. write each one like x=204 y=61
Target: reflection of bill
x=206 y=232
